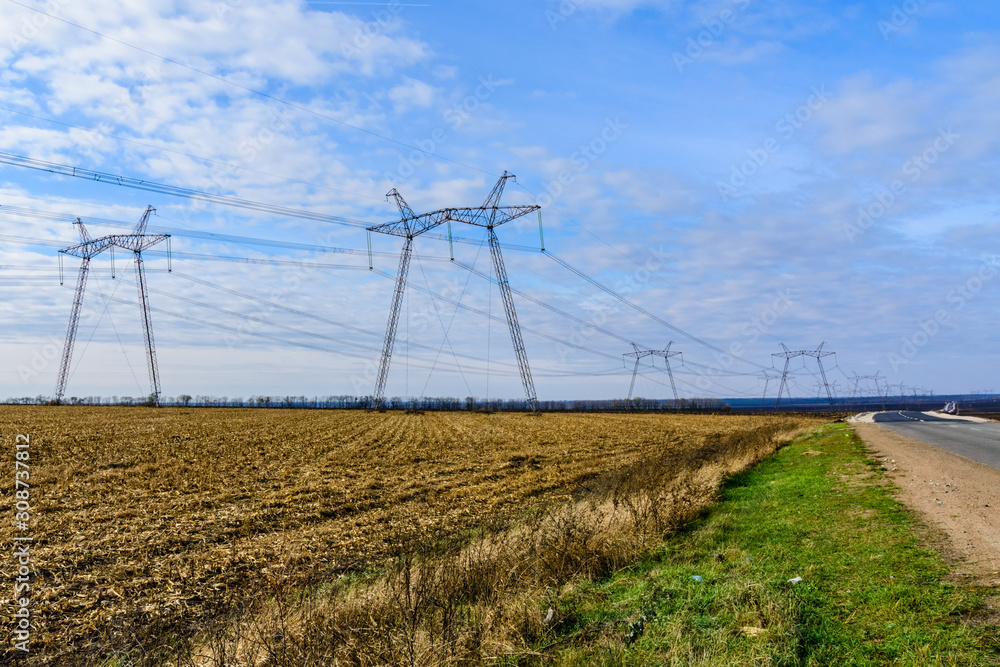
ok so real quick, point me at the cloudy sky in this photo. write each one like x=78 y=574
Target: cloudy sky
x=726 y=175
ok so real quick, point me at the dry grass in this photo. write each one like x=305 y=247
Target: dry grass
x=154 y=524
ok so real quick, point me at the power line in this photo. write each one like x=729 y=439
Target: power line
x=172 y=190
x=218 y=237
x=294 y=311
x=227 y=165
x=292 y=105
x=545 y=305
x=642 y=310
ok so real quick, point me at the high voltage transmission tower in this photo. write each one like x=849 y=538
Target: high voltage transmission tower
x=410 y=225
x=766 y=377
x=878 y=386
x=638 y=354
x=788 y=355
x=86 y=250
x=819 y=388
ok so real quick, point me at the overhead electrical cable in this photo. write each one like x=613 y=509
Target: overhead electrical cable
x=244 y=240
x=445 y=329
x=244 y=332
x=301 y=313
x=174 y=191
x=228 y=165
x=645 y=312
x=259 y=93
x=111 y=320
x=496 y=318
x=548 y=307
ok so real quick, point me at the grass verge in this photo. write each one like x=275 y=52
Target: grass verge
x=725 y=590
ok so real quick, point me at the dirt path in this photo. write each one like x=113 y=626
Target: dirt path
x=958 y=496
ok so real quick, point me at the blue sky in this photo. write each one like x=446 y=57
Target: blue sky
x=747 y=173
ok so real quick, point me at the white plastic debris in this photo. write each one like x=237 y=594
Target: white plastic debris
x=795 y=580
x=696 y=578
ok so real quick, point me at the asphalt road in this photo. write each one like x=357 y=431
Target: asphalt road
x=973 y=440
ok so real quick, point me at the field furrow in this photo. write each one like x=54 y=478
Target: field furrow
x=155 y=519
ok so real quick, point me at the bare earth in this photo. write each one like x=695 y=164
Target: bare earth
x=951 y=493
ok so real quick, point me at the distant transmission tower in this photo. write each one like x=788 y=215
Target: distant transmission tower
x=639 y=354
x=819 y=389
x=89 y=248
x=788 y=355
x=878 y=387
x=409 y=226
x=766 y=377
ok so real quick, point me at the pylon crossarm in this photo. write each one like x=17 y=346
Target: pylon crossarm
x=512 y=323
x=412 y=226
x=639 y=354
x=490 y=217
x=88 y=249
x=481 y=217
x=135 y=243
x=390 y=330
x=74 y=321
x=147 y=329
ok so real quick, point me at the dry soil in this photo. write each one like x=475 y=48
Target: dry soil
x=957 y=496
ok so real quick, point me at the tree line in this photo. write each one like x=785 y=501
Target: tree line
x=351 y=402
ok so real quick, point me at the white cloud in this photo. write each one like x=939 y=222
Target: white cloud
x=622 y=6
x=863 y=115
x=653 y=188
x=412 y=93
x=734 y=52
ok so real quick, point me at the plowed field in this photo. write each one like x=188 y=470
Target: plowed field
x=147 y=520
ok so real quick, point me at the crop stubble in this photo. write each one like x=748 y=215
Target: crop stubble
x=150 y=519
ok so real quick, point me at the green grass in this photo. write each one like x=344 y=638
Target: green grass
x=869 y=594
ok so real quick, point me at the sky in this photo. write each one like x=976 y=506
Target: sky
x=724 y=176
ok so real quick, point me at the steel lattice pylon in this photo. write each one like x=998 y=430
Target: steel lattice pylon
x=512 y=323
x=878 y=387
x=639 y=354
x=86 y=250
x=766 y=377
x=409 y=226
x=788 y=355
x=89 y=248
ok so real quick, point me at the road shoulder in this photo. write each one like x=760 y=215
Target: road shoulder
x=966 y=418
x=957 y=496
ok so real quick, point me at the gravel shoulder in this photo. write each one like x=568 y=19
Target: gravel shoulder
x=951 y=493
x=945 y=415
